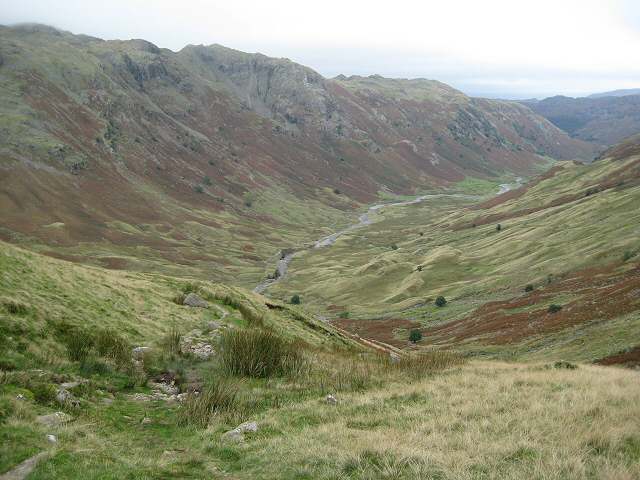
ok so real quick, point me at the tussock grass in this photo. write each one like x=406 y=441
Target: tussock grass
x=79 y=343
x=170 y=342
x=109 y=344
x=259 y=353
x=199 y=408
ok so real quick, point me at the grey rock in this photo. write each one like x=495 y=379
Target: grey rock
x=146 y=421
x=138 y=352
x=331 y=399
x=54 y=419
x=52 y=438
x=237 y=434
x=193 y=300
x=65 y=397
x=22 y=471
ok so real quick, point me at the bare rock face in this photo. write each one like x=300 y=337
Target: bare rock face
x=193 y=300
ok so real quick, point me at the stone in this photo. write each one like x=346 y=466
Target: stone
x=65 y=397
x=331 y=400
x=20 y=397
x=22 y=471
x=138 y=352
x=146 y=421
x=52 y=438
x=166 y=388
x=213 y=325
x=54 y=419
x=237 y=434
x=193 y=300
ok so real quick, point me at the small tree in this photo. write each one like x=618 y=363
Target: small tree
x=415 y=336
x=553 y=308
x=206 y=181
x=498 y=227
x=528 y=288
x=441 y=301
x=295 y=300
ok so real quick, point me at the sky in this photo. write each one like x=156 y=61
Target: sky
x=494 y=48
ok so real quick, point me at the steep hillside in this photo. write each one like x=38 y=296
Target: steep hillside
x=76 y=402
x=208 y=161
x=569 y=238
x=603 y=120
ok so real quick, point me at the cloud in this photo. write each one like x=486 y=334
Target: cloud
x=523 y=47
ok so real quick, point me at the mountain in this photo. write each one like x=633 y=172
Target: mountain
x=603 y=120
x=210 y=160
x=616 y=93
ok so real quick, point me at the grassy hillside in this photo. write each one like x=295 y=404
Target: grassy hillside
x=571 y=235
x=70 y=328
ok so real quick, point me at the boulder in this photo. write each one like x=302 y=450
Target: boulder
x=331 y=399
x=65 y=397
x=193 y=300
x=237 y=434
x=52 y=438
x=54 y=419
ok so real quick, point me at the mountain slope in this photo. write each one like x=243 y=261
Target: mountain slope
x=126 y=155
x=604 y=120
x=571 y=234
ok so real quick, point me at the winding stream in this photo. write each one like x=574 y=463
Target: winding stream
x=363 y=220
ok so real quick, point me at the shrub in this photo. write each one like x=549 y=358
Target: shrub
x=498 y=227
x=529 y=288
x=628 y=255
x=79 y=343
x=415 y=336
x=258 y=353
x=561 y=364
x=206 y=181
x=198 y=189
x=218 y=397
x=295 y=300
x=440 y=301
x=394 y=247
x=553 y=308
x=336 y=191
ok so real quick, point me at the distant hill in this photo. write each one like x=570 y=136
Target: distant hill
x=616 y=93
x=602 y=120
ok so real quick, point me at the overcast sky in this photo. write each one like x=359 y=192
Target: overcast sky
x=507 y=48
